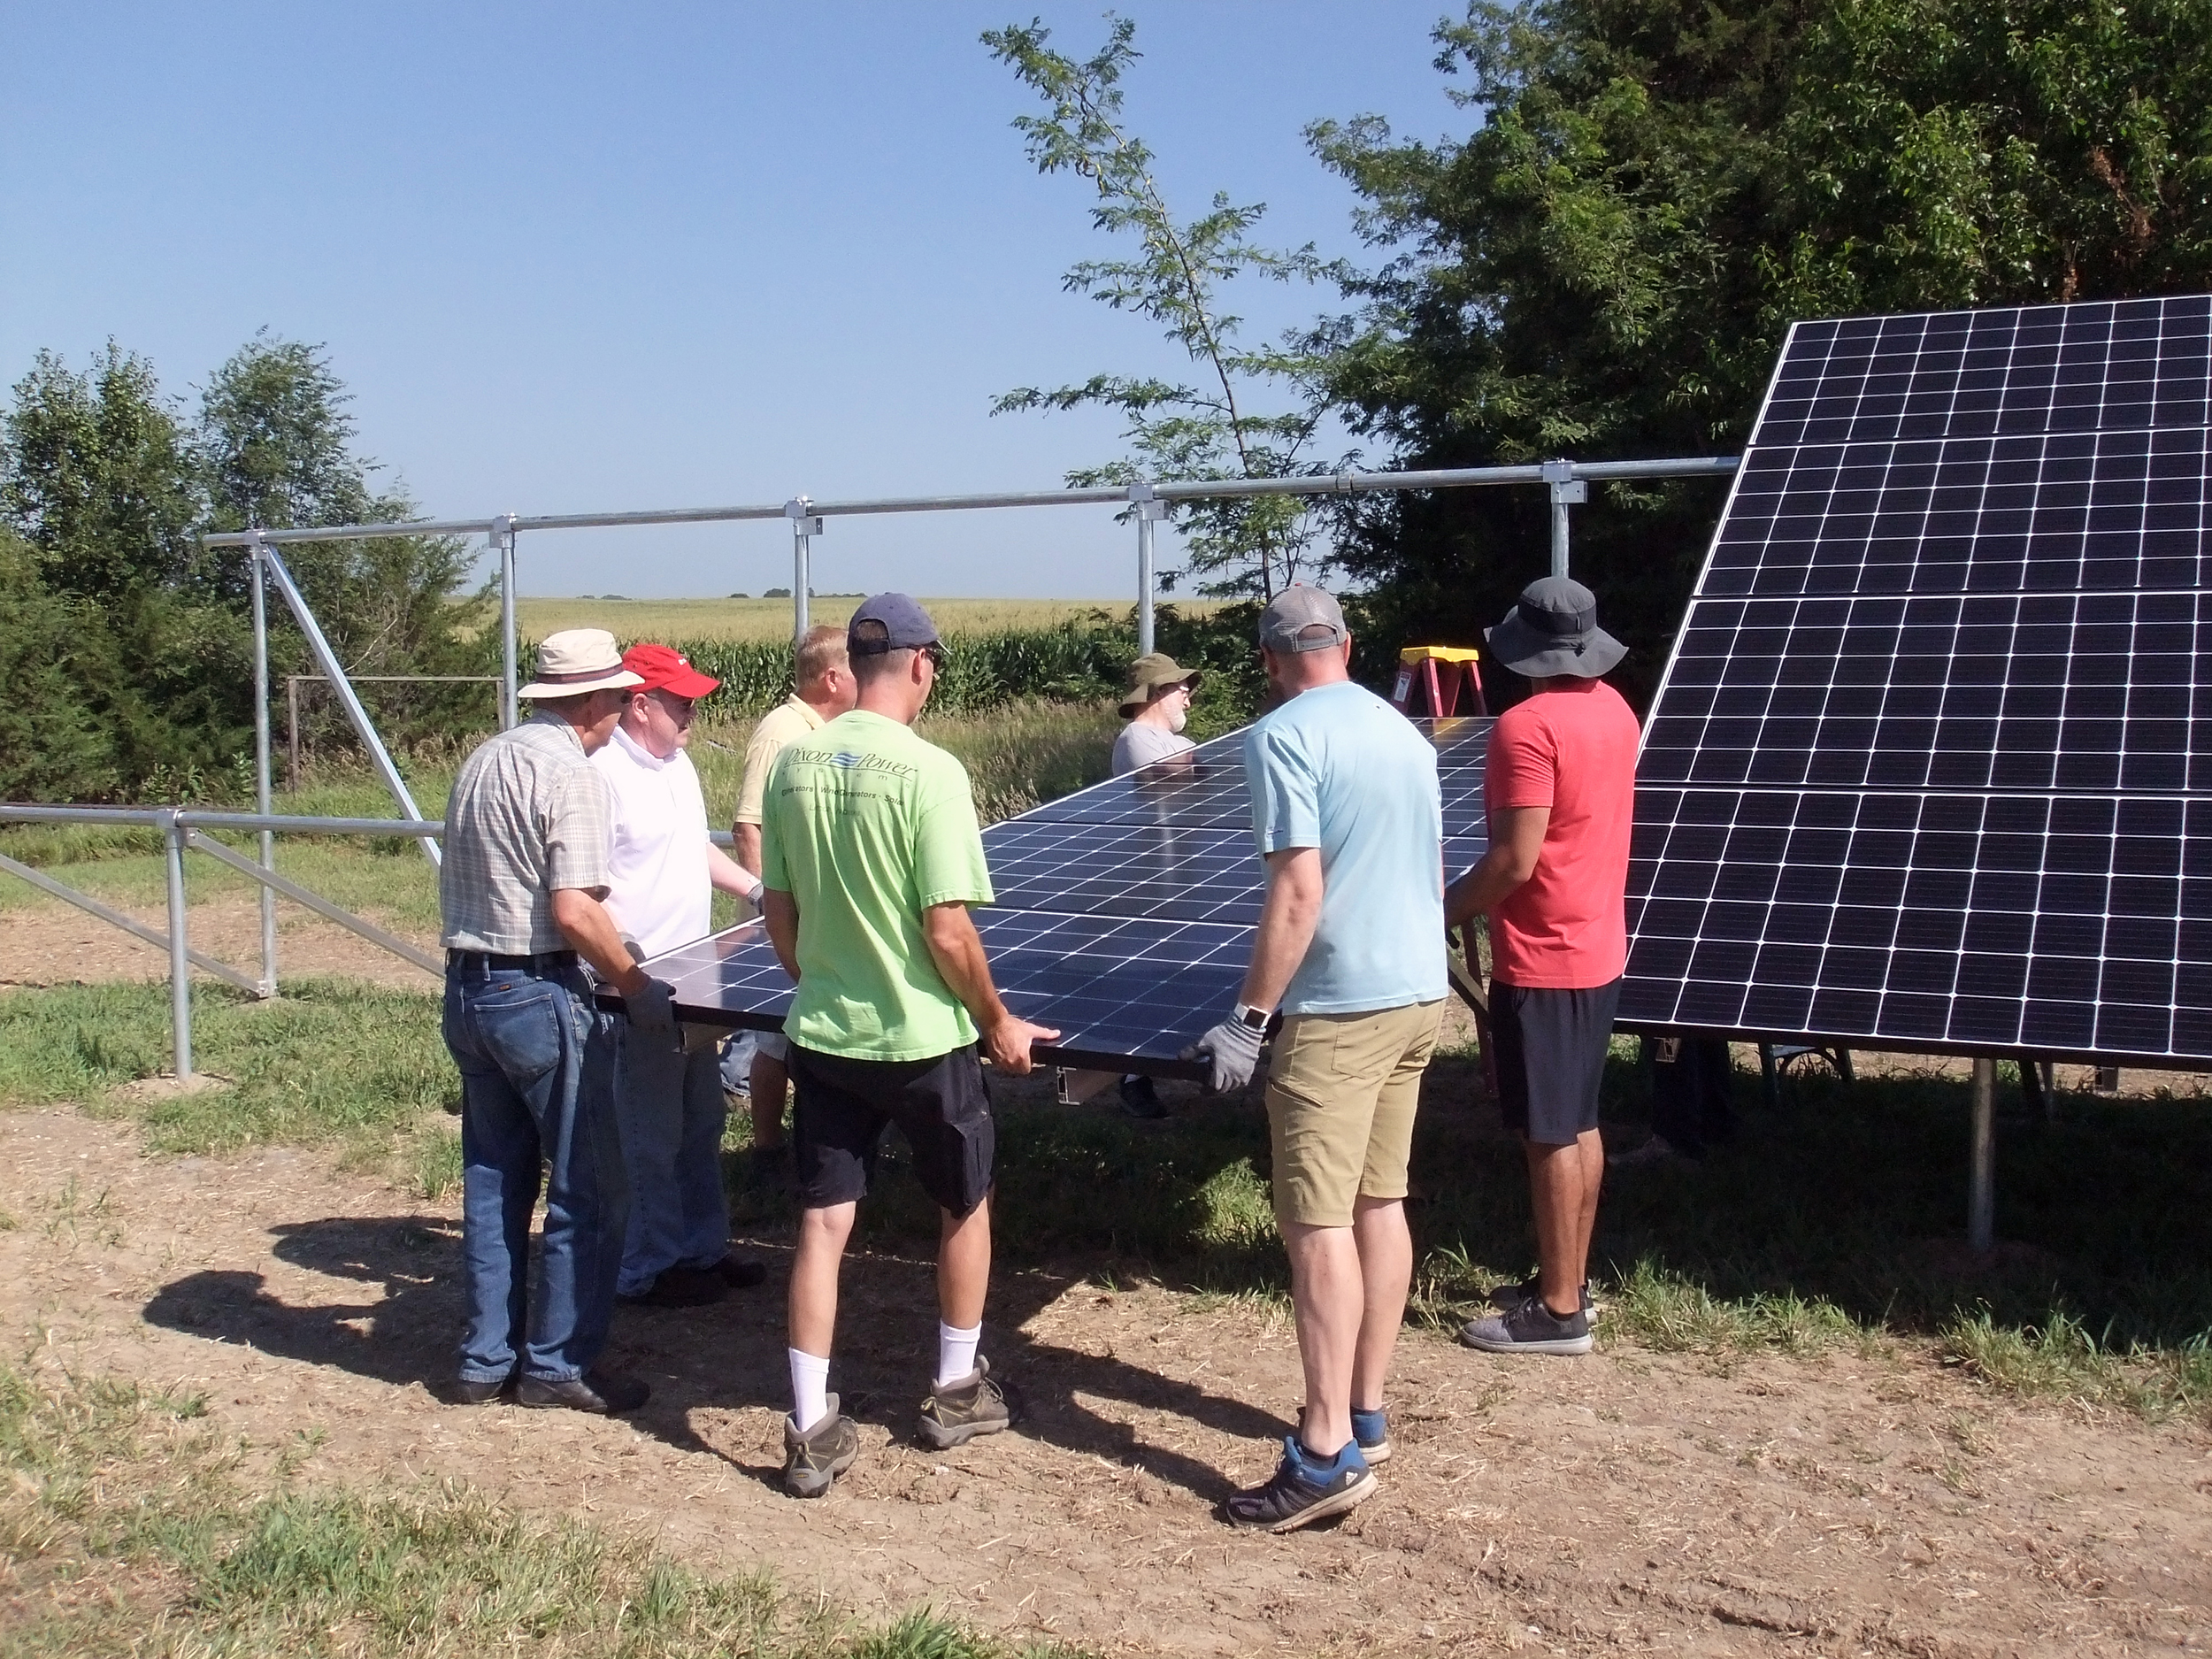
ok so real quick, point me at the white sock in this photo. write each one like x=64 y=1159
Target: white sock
x=810 y=1389
x=956 y=1351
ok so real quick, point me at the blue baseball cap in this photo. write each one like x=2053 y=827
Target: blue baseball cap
x=899 y=624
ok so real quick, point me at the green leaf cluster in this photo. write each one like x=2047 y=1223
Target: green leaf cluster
x=1653 y=190
x=125 y=646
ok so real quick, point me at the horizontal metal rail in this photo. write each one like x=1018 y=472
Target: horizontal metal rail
x=130 y=925
x=1342 y=483
x=195 y=817
x=202 y=842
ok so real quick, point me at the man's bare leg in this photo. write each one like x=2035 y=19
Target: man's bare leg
x=963 y=1265
x=1385 y=1269
x=812 y=1321
x=1556 y=1182
x=1328 y=1300
x=1590 y=1145
x=768 y=1079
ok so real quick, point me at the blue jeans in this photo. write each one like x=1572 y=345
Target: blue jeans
x=669 y=1105
x=537 y=1087
x=737 y=1062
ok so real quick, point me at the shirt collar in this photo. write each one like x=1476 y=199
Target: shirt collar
x=638 y=753
x=546 y=718
x=814 y=722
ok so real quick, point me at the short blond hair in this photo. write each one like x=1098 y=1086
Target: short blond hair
x=820 y=649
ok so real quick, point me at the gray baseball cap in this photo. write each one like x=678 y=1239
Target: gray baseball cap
x=1554 y=630
x=905 y=624
x=1283 y=624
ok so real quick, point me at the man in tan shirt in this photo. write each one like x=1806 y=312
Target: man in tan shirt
x=823 y=677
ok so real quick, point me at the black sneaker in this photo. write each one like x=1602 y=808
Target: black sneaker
x=1529 y=1327
x=956 y=1413
x=1140 y=1097
x=1508 y=1297
x=1303 y=1490
x=812 y=1460
x=681 y=1287
x=739 y=1273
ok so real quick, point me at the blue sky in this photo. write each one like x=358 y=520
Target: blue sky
x=578 y=257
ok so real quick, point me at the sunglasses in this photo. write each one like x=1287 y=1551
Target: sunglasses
x=935 y=651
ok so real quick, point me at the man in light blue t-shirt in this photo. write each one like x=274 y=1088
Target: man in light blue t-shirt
x=1351 y=947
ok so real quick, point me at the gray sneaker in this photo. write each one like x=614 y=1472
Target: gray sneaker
x=1529 y=1328
x=956 y=1412
x=812 y=1460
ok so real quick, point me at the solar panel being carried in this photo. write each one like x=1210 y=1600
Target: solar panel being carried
x=1125 y=911
x=1932 y=763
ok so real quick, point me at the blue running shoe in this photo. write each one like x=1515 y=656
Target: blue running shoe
x=1304 y=1489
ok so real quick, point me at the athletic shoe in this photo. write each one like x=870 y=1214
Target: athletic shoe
x=956 y=1412
x=1369 y=1429
x=1529 y=1328
x=812 y=1460
x=1506 y=1297
x=1304 y=1489
x=604 y=1393
x=1657 y=1153
x=681 y=1287
x=1141 y=1098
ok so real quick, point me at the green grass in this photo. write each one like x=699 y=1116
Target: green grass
x=130 y=1528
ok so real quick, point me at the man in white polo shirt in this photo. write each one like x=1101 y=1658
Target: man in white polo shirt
x=662 y=873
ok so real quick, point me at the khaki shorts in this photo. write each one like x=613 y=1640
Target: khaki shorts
x=1342 y=1093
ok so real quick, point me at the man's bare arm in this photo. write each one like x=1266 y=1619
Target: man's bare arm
x=781 y=911
x=1516 y=839
x=745 y=845
x=590 y=932
x=729 y=876
x=1287 y=919
x=958 y=949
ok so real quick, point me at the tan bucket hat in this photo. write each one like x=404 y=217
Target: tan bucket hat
x=1149 y=676
x=577 y=660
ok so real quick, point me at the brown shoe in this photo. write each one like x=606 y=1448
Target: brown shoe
x=812 y=1460
x=956 y=1413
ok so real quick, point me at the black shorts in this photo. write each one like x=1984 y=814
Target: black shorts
x=1551 y=1047
x=843 y=1105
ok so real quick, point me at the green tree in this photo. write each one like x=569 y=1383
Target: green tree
x=1655 y=189
x=1176 y=277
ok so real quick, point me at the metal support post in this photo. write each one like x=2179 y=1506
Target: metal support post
x=1567 y=490
x=261 y=761
x=343 y=689
x=180 y=955
x=1150 y=510
x=503 y=543
x=806 y=524
x=1981 y=1193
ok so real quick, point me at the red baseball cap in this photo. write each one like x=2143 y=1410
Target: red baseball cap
x=664 y=668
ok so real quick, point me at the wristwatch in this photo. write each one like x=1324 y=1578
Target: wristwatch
x=1250 y=1017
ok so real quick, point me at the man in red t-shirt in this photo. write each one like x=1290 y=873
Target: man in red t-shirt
x=1560 y=791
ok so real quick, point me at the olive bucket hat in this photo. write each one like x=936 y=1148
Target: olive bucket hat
x=1554 y=630
x=1149 y=676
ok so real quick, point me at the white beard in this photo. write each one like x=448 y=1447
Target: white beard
x=1179 y=719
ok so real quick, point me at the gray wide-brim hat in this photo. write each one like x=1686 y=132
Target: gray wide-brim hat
x=1554 y=630
x=1149 y=676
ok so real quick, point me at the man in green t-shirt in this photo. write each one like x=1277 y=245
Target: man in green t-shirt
x=870 y=856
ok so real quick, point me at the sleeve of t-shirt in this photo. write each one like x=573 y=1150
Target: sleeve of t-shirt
x=1523 y=764
x=759 y=754
x=1285 y=793
x=579 y=839
x=949 y=867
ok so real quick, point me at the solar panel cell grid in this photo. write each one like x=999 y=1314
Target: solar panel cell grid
x=1926 y=766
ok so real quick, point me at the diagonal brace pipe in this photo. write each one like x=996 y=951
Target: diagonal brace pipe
x=201 y=841
x=343 y=688
x=130 y=925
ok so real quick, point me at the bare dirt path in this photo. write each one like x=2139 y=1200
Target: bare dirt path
x=54 y=943
x=1628 y=1502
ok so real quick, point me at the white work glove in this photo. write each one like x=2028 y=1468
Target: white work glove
x=1233 y=1049
x=754 y=897
x=652 y=1013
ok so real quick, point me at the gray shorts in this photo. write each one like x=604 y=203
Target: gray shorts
x=1551 y=1046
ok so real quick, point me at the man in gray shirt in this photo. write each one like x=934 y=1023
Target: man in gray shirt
x=526 y=844
x=1157 y=705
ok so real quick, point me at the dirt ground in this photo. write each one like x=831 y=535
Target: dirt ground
x=1625 y=1502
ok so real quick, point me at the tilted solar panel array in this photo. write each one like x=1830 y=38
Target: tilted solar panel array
x=1932 y=763
x=1125 y=911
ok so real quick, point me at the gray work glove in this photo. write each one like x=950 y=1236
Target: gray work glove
x=652 y=1013
x=1233 y=1048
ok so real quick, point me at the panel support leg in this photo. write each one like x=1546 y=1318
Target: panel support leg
x=1981 y=1193
x=1150 y=510
x=180 y=956
x=504 y=544
x=261 y=764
